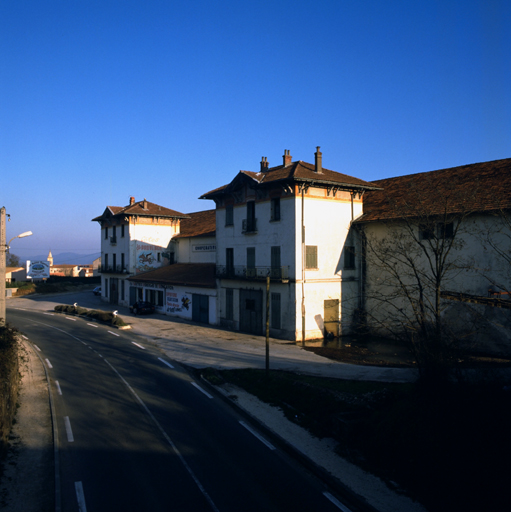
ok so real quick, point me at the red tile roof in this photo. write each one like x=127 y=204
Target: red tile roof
x=151 y=210
x=484 y=186
x=300 y=172
x=198 y=224
x=201 y=275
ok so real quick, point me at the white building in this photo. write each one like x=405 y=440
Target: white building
x=135 y=239
x=291 y=223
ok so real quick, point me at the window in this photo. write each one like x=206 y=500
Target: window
x=276 y=266
x=251 y=262
x=275 y=310
x=114 y=262
x=445 y=230
x=229 y=260
x=106 y=233
x=106 y=261
x=229 y=215
x=123 y=265
x=349 y=257
x=158 y=256
x=229 y=304
x=311 y=256
x=250 y=223
x=426 y=232
x=122 y=230
x=275 y=208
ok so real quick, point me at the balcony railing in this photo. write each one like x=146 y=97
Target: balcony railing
x=249 y=226
x=280 y=274
x=113 y=240
x=110 y=269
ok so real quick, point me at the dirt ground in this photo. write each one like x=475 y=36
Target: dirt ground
x=375 y=352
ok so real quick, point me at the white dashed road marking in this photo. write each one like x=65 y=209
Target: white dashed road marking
x=80 y=496
x=48 y=363
x=137 y=345
x=165 y=362
x=69 y=431
x=202 y=390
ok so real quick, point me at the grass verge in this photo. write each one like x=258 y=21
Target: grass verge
x=448 y=448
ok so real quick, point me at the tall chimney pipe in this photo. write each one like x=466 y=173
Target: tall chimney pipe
x=318 y=161
x=287 y=157
x=264 y=164
x=132 y=201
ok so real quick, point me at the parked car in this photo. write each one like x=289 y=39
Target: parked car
x=97 y=290
x=141 y=307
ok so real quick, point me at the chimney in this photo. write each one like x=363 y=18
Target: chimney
x=318 y=161
x=132 y=201
x=287 y=157
x=145 y=204
x=264 y=164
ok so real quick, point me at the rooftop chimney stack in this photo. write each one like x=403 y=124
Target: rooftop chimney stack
x=132 y=201
x=287 y=157
x=264 y=164
x=145 y=203
x=319 y=161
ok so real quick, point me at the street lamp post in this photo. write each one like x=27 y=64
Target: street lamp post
x=3 y=250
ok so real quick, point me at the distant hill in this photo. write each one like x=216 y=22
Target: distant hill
x=71 y=258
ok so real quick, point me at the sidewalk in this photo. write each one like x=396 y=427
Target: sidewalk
x=201 y=346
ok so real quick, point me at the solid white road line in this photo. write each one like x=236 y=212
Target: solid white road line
x=92 y=325
x=48 y=363
x=201 y=390
x=80 y=496
x=114 y=333
x=165 y=362
x=37 y=348
x=336 y=502
x=57 y=385
x=69 y=432
x=261 y=438
x=139 y=346
x=49 y=314
x=72 y=319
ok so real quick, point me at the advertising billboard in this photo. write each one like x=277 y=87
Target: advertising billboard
x=38 y=269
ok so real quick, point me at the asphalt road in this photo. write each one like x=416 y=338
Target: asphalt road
x=137 y=433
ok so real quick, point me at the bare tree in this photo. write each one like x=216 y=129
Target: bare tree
x=412 y=253
x=13 y=260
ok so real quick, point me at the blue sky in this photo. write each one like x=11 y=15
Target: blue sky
x=166 y=100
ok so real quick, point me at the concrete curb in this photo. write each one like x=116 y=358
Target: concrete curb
x=353 y=501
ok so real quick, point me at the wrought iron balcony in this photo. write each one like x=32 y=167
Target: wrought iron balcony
x=280 y=274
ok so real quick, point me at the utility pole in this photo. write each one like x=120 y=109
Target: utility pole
x=3 y=248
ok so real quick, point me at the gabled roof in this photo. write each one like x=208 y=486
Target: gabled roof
x=299 y=172
x=198 y=224
x=477 y=187
x=141 y=208
x=201 y=275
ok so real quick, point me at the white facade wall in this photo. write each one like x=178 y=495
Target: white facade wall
x=327 y=226
x=200 y=249
x=144 y=246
